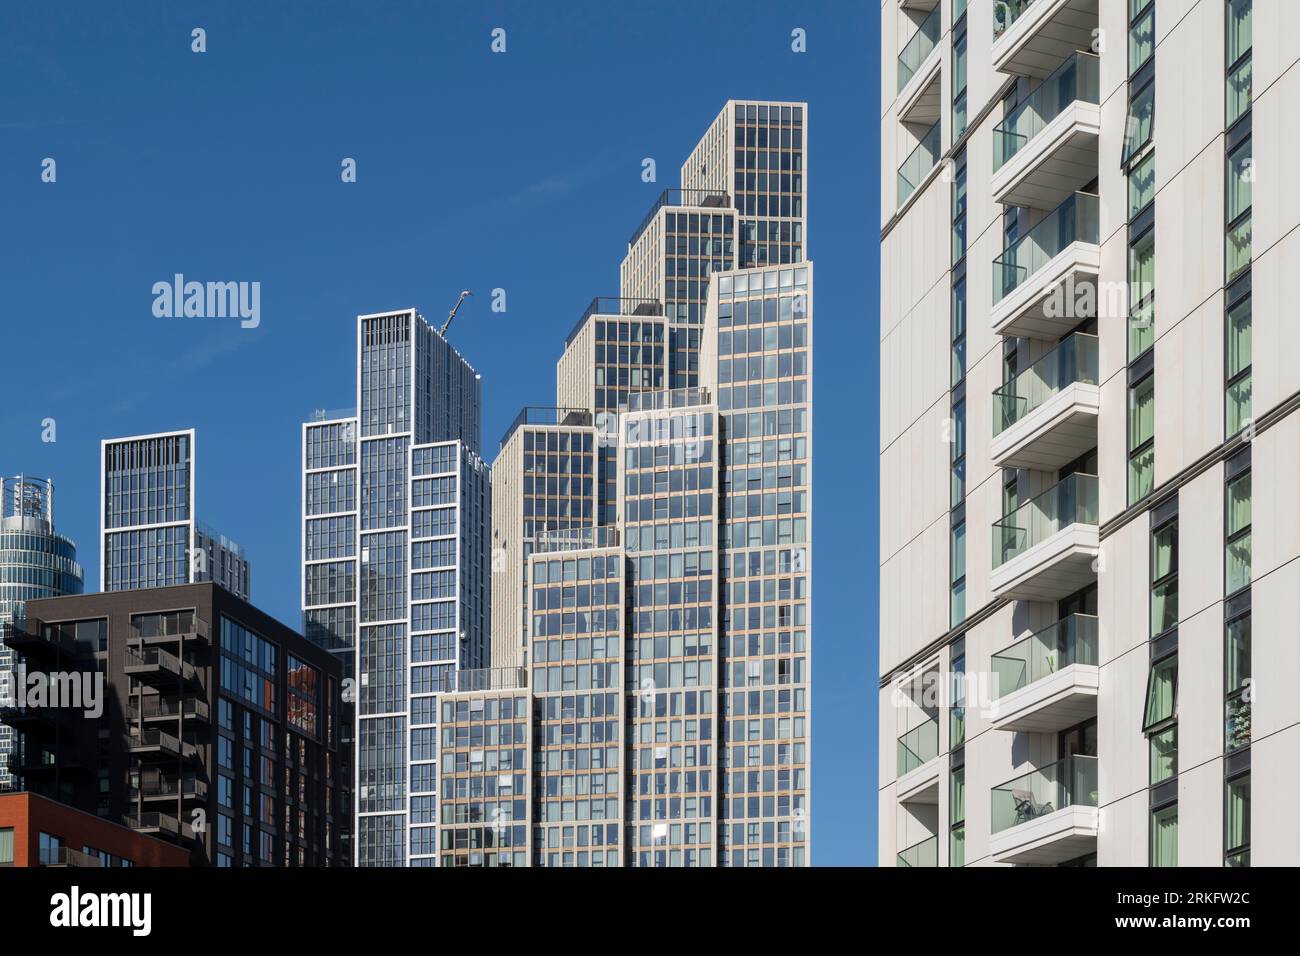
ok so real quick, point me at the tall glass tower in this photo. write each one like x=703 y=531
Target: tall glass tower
x=396 y=509
x=35 y=562
x=149 y=536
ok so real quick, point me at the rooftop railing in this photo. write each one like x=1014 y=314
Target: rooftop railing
x=614 y=305
x=545 y=415
x=492 y=678
x=699 y=198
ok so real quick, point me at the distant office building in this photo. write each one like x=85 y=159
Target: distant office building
x=35 y=562
x=201 y=721
x=149 y=536
x=396 y=504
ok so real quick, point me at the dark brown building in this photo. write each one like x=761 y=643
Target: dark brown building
x=35 y=831
x=215 y=727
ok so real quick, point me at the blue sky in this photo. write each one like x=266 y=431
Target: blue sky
x=519 y=171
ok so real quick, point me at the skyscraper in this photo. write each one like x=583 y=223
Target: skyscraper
x=1070 y=569
x=149 y=536
x=661 y=662
x=35 y=562
x=396 y=504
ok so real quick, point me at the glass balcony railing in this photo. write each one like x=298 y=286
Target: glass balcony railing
x=1006 y=13
x=1071 y=782
x=1072 y=500
x=925 y=853
x=918 y=48
x=1071 y=640
x=918 y=746
x=1077 y=79
x=920 y=162
x=1073 y=360
x=1075 y=220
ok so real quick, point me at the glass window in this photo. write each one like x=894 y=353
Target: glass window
x=6 y=845
x=1141 y=113
x=1162 y=691
x=1164 y=836
x=1164 y=578
x=1237 y=558
x=1164 y=755
x=957 y=817
x=1142 y=289
x=1239 y=190
x=1238 y=368
x=1141 y=431
x=1141 y=39
x=1240 y=40
x=1142 y=184
x=1236 y=822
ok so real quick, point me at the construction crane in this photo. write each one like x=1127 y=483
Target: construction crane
x=452 y=314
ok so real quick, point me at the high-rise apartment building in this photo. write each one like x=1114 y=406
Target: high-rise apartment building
x=35 y=562
x=1069 y=569
x=149 y=535
x=651 y=705
x=186 y=714
x=396 y=504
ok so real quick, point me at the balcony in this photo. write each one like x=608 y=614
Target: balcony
x=47 y=645
x=66 y=856
x=168 y=633
x=918 y=164
x=1046 y=816
x=1045 y=283
x=918 y=49
x=159 y=824
x=157 y=743
x=918 y=770
x=22 y=717
x=156 y=667
x=170 y=790
x=1047 y=415
x=1048 y=681
x=1046 y=148
x=167 y=709
x=925 y=853
x=1030 y=37
x=1046 y=548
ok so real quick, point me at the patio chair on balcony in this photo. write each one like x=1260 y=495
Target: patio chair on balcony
x=1027 y=807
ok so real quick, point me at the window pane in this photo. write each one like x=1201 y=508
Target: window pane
x=1142 y=287
x=1239 y=91
x=1236 y=670
x=1240 y=179
x=1164 y=755
x=1137 y=131
x=1239 y=350
x=1142 y=184
x=1141 y=412
x=1239 y=29
x=1237 y=815
x=1164 y=836
x=1239 y=503
x=1141 y=41
x=1161 y=688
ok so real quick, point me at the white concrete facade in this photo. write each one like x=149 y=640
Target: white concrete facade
x=1104 y=615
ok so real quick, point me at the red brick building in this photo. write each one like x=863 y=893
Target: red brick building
x=37 y=831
